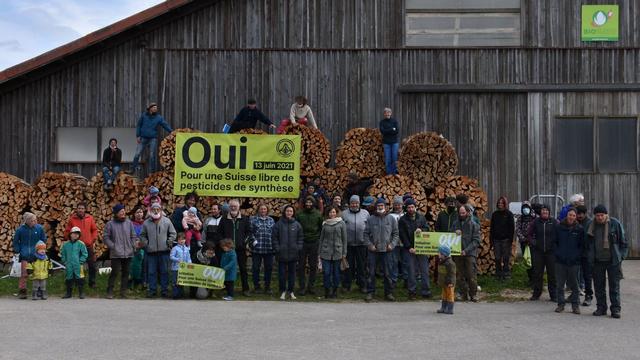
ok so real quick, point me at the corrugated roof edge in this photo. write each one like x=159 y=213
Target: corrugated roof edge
x=90 y=39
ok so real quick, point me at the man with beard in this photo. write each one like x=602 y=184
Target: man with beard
x=466 y=273
x=311 y=220
x=157 y=236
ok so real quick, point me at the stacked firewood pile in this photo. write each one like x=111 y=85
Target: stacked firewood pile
x=315 y=152
x=14 y=198
x=398 y=185
x=361 y=152
x=454 y=185
x=428 y=158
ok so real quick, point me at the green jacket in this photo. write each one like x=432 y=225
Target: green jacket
x=446 y=273
x=619 y=246
x=311 y=222
x=73 y=255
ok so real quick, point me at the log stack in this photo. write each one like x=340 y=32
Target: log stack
x=427 y=157
x=316 y=150
x=252 y=131
x=454 y=185
x=167 y=153
x=275 y=205
x=55 y=195
x=398 y=185
x=334 y=180
x=361 y=152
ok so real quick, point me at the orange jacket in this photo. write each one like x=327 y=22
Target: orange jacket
x=88 y=227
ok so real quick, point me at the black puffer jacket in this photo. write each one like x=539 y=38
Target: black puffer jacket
x=287 y=237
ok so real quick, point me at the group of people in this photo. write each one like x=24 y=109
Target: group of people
x=578 y=252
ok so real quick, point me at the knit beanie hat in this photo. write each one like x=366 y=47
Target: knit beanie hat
x=410 y=201
x=600 y=209
x=354 y=198
x=41 y=246
x=154 y=190
x=381 y=200
x=193 y=210
x=368 y=201
x=116 y=209
x=444 y=250
x=157 y=206
x=397 y=200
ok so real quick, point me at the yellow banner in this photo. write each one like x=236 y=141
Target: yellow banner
x=266 y=166
x=197 y=275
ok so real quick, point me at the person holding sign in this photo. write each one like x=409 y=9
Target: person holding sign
x=411 y=223
x=333 y=250
x=469 y=231
x=381 y=237
x=287 y=240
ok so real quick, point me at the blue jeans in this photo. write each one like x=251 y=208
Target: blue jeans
x=395 y=257
x=391 y=157
x=287 y=275
x=157 y=265
x=375 y=258
x=331 y=273
x=267 y=260
x=177 y=289
x=152 y=143
x=110 y=175
x=419 y=264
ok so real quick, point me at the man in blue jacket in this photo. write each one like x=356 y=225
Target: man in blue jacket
x=24 y=244
x=147 y=135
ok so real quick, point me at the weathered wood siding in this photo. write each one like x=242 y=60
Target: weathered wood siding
x=347 y=58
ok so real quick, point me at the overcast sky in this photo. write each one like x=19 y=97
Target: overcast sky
x=29 y=28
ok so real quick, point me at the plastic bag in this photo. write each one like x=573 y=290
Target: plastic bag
x=16 y=269
x=526 y=257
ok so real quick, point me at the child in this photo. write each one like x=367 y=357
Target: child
x=179 y=253
x=153 y=192
x=135 y=270
x=206 y=256
x=74 y=254
x=229 y=263
x=446 y=279
x=191 y=225
x=39 y=270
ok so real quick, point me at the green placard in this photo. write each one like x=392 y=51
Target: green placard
x=196 y=275
x=600 y=22
x=427 y=243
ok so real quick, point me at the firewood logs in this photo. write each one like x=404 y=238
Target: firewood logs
x=361 y=152
x=274 y=205
x=454 y=185
x=167 y=151
x=55 y=195
x=428 y=158
x=14 y=199
x=316 y=150
x=397 y=185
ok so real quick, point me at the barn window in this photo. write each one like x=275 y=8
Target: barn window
x=574 y=144
x=85 y=145
x=461 y=23
x=617 y=144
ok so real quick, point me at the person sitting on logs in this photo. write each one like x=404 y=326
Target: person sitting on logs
x=300 y=113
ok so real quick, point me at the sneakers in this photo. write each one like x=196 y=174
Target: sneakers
x=390 y=297
x=534 y=298
x=559 y=309
x=412 y=296
x=227 y=298
x=292 y=296
x=575 y=309
x=474 y=299
x=369 y=297
x=600 y=312
x=587 y=301
x=283 y=296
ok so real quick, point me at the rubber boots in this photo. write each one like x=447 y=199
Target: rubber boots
x=44 y=295
x=449 y=308
x=34 y=295
x=327 y=293
x=442 y=307
x=69 y=288
x=80 y=283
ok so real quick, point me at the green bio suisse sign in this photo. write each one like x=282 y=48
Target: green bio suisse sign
x=600 y=22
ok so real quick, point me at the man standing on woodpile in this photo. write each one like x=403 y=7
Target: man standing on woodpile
x=542 y=237
x=501 y=238
x=311 y=220
x=147 y=136
x=111 y=164
x=156 y=237
x=381 y=236
x=24 y=245
x=408 y=225
x=356 y=220
x=88 y=235
x=466 y=262
x=120 y=237
x=248 y=117
x=389 y=129
x=607 y=248
x=236 y=227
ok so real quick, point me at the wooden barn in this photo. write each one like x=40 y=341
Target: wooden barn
x=530 y=107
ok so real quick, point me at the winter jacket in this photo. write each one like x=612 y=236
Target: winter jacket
x=522 y=227
x=135 y=269
x=262 y=229
x=381 y=231
x=191 y=221
x=569 y=244
x=120 y=238
x=446 y=272
x=210 y=229
x=111 y=158
x=389 y=129
x=333 y=240
x=147 y=126
x=355 y=224
x=229 y=263
x=311 y=221
x=238 y=230
x=176 y=218
x=73 y=255
x=287 y=239
x=618 y=245
x=407 y=226
x=247 y=119
x=25 y=239
x=88 y=228
x=137 y=227
x=470 y=238
x=157 y=237
x=179 y=253
x=203 y=259
x=40 y=268
x=445 y=220
x=542 y=234
x=502 y=226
